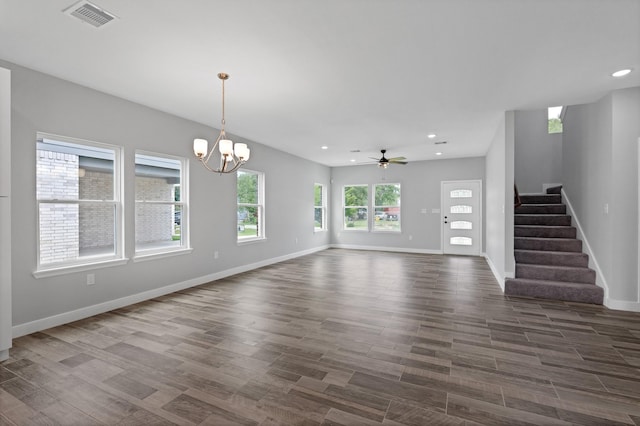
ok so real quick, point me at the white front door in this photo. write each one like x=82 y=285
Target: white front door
x=461 y=218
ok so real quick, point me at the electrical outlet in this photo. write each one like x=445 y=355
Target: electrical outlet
x=216 y=254
x=410 y=237
x=91 y=279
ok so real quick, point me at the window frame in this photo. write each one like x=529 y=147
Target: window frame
x=260 y=207
x=88 y=262
x=322 y=207
x=184 y=246
x=376 y=206
x=366 y=207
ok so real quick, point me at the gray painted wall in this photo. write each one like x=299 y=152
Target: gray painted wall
x=538 y=154
x=47 y=104
x=420 y=185
x=600 y=168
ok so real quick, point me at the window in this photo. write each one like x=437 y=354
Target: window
x=356 y=207
x=387 y=207
x=555 y=122
x=250 y=187
x=78 y=202
x=161 y=209
x=320 y=208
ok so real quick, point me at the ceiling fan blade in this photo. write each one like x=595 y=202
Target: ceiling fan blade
x=373 y=158
x=398 y=162
x=397 y=159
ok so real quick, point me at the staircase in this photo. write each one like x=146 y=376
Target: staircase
x=549 y=259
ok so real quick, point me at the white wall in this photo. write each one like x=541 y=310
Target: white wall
x=420 y=186
x=47 y=104
x=600 y=168
x=538 y=154
x=499 y=196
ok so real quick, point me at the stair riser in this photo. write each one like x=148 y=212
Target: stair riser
x=554 y=190
x=581 y=275
x=547 y=244
x=541 y=209
x=553 y=259
x=585 y=294
x=544 y=232
x=541 y=199
x=545 y=220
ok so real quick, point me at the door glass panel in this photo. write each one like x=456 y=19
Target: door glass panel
x=461 y=224
x=461 y=209
x=461 y=193
x=460 y=241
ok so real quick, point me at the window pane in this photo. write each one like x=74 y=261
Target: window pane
x=388 y=220
x=157 y=178
x=156 y=226
x=318 y=195
x=248 y=222
x=247 y=188
x=356 y=218
x=387 y=195
x=461 y=224
x=461 y=209
x=356 y=195
x=461 y=193
x=318 y=218
x=461 y=241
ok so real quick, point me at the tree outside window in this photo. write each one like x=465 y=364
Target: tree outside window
x=356 y=207
x=250 y=211
x=320 y=208
x=387 y=207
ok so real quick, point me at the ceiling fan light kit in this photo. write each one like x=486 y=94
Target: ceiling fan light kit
x=232 y=156
x=384 y=162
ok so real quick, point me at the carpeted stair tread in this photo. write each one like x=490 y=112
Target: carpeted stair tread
x=554 y=190
x=541 y=209
x=545 y=231
x=541 y=199
x=557 y=290
x=556 y=273
x=547 y=244
x=542 y=219
x=552 y=258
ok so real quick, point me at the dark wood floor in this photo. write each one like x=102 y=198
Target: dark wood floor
x=338 y=337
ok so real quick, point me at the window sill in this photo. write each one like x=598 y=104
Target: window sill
x=143 y=257
x=317 y=231
x=354 y=230
x=250 y=241
x=63 y=270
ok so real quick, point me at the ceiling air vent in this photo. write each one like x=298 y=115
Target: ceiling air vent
x=90 y=13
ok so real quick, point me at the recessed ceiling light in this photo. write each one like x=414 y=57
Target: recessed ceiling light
x=352 y=160
x=438 y=153
x=431 y=135
x=621 y=73
x=324 y=147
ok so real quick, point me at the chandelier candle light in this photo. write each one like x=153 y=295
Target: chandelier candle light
x=232 y=156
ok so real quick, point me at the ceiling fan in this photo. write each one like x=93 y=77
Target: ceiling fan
x=384 y=161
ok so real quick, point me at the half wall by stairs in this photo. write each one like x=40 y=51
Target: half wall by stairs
x=549 y=259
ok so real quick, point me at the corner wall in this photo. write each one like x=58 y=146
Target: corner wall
x=43 y=103
x=600 y=170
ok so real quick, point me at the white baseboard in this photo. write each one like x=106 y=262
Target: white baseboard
x=86 y=312
x=593 y=262
x=4 y=355
x=495 y=272
x=622 y=305
x=385 y=248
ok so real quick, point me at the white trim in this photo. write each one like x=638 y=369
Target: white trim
x=386 y=248
x=622 y=305
x=5 y=213
x=45 y=273
x=593 y=262
x=88 y=311
x=495 y=272
x=638 y=247
x=142 y=257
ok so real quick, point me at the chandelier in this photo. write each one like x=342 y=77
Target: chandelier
x=232 y=156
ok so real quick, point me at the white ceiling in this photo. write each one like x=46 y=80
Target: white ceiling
x=349 y=74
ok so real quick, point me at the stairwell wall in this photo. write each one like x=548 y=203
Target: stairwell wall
x=538 y=154
x=600 y=169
